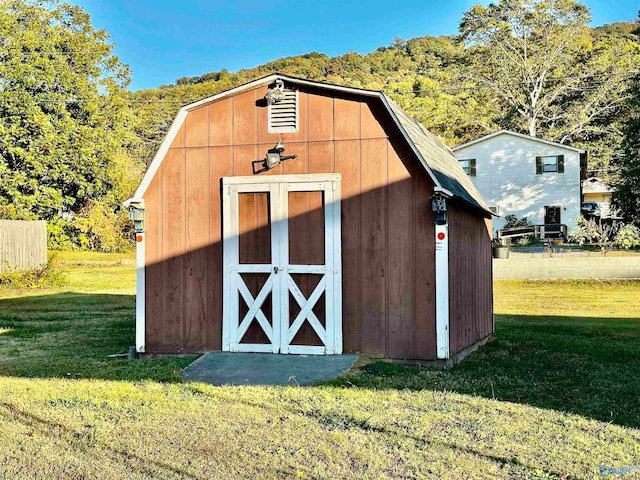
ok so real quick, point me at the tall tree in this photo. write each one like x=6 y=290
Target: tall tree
x=627 y=183
x=543 y=61
x=63 y=110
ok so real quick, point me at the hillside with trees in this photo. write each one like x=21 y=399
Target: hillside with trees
x=74 y=142
x=547 y=75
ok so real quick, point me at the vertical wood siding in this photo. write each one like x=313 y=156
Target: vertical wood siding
x=387 y=225
x=23 y=245
x=470 y=279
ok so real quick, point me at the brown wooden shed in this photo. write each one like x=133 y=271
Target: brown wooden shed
x=370 y=239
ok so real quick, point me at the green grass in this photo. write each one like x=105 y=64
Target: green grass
x=554 y=395
x=569 y=346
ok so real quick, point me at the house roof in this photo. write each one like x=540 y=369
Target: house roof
x=596 y=185
x=436 y=159
x=520 y=135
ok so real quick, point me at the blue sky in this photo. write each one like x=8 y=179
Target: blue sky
x=163 y=40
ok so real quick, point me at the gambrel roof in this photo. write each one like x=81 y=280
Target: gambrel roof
x=436 y=158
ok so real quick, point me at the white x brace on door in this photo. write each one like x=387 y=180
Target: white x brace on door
x=282 y=280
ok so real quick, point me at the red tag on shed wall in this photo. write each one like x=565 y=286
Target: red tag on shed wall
x=138 y=238
x=441 y=236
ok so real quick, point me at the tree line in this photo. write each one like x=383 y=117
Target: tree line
x=74 y=142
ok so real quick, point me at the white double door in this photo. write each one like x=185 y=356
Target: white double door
x=282 y=264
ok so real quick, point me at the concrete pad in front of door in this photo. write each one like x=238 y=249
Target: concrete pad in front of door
x=236 y=368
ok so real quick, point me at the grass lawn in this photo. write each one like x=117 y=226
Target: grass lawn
x=555 y=395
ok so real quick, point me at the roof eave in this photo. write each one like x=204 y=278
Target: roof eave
x=409 y=142
x=272 y=78
x=182 y=114
x=520 y=135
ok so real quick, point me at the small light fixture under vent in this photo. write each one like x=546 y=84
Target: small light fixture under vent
x=282 y=109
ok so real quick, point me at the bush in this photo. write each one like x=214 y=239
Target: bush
x=601 y=234
x=628 y=236
x=102 y=229
x=513 y=221
x=586 y=231
x=59 y=234
x=527 y=241
x=46 y=275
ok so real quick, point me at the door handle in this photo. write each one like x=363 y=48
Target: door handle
x=276 y=270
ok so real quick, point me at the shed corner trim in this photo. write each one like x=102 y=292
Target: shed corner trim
x=441 y=238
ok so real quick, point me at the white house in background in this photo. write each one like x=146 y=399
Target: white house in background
x=525 y=176
x=597 y=190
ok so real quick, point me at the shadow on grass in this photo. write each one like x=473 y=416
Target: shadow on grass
x=71 y=335
x=586 y=366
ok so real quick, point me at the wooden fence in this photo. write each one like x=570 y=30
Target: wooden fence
x=23 y=245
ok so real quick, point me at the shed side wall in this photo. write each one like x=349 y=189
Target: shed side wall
x=470 y=279
x=387 y=224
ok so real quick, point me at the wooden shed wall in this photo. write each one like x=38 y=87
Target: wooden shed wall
x=470 y=279
x=387 y=225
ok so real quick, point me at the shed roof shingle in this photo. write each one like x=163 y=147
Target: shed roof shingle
x=440 y=159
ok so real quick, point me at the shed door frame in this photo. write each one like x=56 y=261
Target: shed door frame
x=280 y=283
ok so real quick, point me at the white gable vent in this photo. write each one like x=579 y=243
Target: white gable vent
x=283 y=112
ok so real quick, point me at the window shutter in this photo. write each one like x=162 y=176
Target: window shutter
x=560 y=163
x=283 y=115
x=472 y=167
x=538 y=165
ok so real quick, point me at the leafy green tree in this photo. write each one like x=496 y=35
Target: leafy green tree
x=518 y=46
x=64 y=113
x=548 y=68
x=627 y=195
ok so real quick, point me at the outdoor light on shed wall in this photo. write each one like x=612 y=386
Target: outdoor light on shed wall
x=275 y=94
x=136 y=213
x=439 y=207
x=274 y=157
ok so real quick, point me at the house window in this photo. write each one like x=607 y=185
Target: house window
x=550 y=164
x=469 y=166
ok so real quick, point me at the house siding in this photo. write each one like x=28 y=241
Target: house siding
x=506 y=177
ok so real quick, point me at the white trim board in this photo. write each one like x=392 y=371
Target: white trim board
x=299 y=178
x=159 y=158
x=140 y=294
x=281 y=331
x=442 y=291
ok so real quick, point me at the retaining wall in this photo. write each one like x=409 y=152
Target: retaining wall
x=566 y=267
